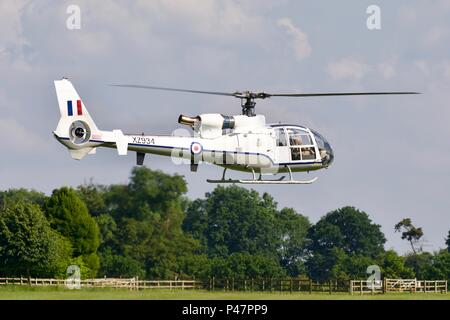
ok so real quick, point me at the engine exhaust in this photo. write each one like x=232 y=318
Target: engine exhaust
x=188 y=121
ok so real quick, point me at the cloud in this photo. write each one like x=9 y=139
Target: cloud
x=348 y=68
x=16 y=138
x=219 y=22
x=436 y=35
x=387 y=70
x=300 y=41
x=10 y=27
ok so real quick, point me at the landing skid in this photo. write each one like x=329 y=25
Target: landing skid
x=261 y=181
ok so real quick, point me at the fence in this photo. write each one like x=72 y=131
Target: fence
x=398 y=285
x=275 y=285
x=129 y=283
x=265 y=285
x=364 y=286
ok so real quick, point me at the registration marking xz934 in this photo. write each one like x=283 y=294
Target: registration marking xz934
x=143 y=140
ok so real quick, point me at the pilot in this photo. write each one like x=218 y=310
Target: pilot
x=296 y=141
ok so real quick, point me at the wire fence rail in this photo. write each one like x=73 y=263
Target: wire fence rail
x=249 y=285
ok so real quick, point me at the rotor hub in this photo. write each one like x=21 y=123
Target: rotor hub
x=248 y=107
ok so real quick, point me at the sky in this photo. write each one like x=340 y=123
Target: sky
x=392 y=153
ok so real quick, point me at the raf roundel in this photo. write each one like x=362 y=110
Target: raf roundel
x=196 y=148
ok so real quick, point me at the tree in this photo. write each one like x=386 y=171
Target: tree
x=234 y=219
x=150 y=240
x=196 y=221
x=28 y=245
x=410 y=233
x=430 y=266
x=107 y=227
x=447 y=242
x=114 y=265
x=340 y=235
x=93 y=197
x=68 y=215
x=16 y=195
x=293 y=231
x=440 y=266
x=244 y=265
x=393 y=266
x=420 y=263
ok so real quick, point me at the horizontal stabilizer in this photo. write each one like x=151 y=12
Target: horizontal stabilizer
x=121 y=142
x=79 y=154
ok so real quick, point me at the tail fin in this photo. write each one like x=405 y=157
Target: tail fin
x=76 y=127
x=71 y=107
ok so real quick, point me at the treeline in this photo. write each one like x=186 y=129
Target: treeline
x=149 y=228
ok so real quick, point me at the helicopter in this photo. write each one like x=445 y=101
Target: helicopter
x=240 y=142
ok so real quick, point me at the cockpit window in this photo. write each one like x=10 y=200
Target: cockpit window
x=299 y=137
x=281 y=137
x=321 y=142
x=325 y=151
x=302 y=147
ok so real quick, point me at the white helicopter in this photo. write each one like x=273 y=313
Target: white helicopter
x=240 y=142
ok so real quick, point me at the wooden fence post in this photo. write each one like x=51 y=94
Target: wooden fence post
x=310 y=286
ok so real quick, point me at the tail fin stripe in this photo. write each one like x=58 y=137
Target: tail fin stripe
x=69 y=108
x=79 y=109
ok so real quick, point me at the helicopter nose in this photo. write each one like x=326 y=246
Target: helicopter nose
x=329 y=157
x=326 y=153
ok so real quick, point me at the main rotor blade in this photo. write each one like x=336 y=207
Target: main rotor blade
x=325 y=94
x=174 y=89
x=263 y=95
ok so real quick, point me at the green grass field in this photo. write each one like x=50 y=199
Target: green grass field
x=60 y=293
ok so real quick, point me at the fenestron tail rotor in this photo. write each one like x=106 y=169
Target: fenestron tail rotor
x=248 y=97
